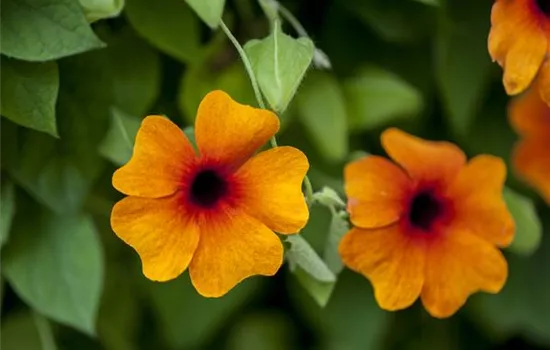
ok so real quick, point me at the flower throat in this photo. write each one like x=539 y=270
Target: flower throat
x=208 y=188
x=544 y=6
x=424 y=210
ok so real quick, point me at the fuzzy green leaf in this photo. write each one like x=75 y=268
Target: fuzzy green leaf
x=118 y=144
x=528 y=226
x=95 y=10
x=210 y=11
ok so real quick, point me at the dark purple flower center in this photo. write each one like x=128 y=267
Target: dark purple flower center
x=207 y=188
x=544 y=6
x=425 y=209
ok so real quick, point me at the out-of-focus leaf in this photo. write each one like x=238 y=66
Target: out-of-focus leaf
x=322 y=110
x=170 y=25
x=528 y=226
x=7 y=210
x=338 y=227
x=136 y=82
x=41 y=30
x=55 y=264
x=320 y=291
x=209 y=11
x=329 y=198
x=303 y=255
x=279 y=63
x=270 y=8
x=352 y=319
x=376 y=97
x=187 y=319
x=95 y=10
x=190 y=133
x=118 y=144
x=26 y=331
x=522 y=305
x=29 y=93
x=430 y=2
x=265 y=331
x=401 y=21
x=462 y=64
x=199 y=80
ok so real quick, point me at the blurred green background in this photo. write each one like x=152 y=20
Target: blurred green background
x=73 y=95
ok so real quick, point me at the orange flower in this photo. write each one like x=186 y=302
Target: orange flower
x=518 y=41
x=530 y=117
x=428 y=226
x=214 y=211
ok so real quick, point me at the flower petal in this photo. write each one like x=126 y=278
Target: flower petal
x=518 y=42
x=272 y=188
x=529 y=115
x=479 y=207
x=543 y=83
x=531 y=159
x=392 y=260
x=162 y=154
x=233 y=246
x=160 y=231
x=459 y=264
x=376 y=189
x=425 y=161
x=229 y=132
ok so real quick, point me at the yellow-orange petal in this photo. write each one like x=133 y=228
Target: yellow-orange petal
x=162 y=154
x=390 y=259
x=425 y=161
x=529 y=115
x=531 y=160
x=233 y=246
x=543 y=83
x=459 y=264
x=229 y=132
x=160 y=231
x=272 y=188
x=518 y=42
x=376 y=189
x=479 y=207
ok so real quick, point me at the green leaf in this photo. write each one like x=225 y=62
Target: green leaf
x=118 y=144
x=279 y=63
x=26 y=331
x=188 y=320
x=338 y=227
x=7 y=210
x=136 y=82
x=303 y=255
x=462 y=66
x=95 y=10
x=430 y=2
x=55 y=264
x=528 y=226
x=29 y=94
x=322 y=110
x=329 y=198
x=209 y=11
x=271 y=330
x=169 y=25
x=41 y=30
x=376 y=97
x=318 y=290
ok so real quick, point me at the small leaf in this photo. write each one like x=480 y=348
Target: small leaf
x=376 y=98
x=26 y=331
x=321 y=59
x=528 y=226
x=319 y=291
x=7 y=210
x=118 y=144
x=210 y=11
x=322 y=110
x=338 y=227
x=302 y=254
x=42 y=30
x=29 y=94
x=329 y=198
x=270 y=8
x=279 y=63
x=95 y=10
x=55 y=264
x=169 y=25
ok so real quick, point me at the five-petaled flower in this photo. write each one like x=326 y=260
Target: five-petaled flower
x=213 y=209
x=427 y=226
x=519 y=41
x=530 y=117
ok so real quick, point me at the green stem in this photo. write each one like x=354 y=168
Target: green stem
x=293 y=21
x=258 y=94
